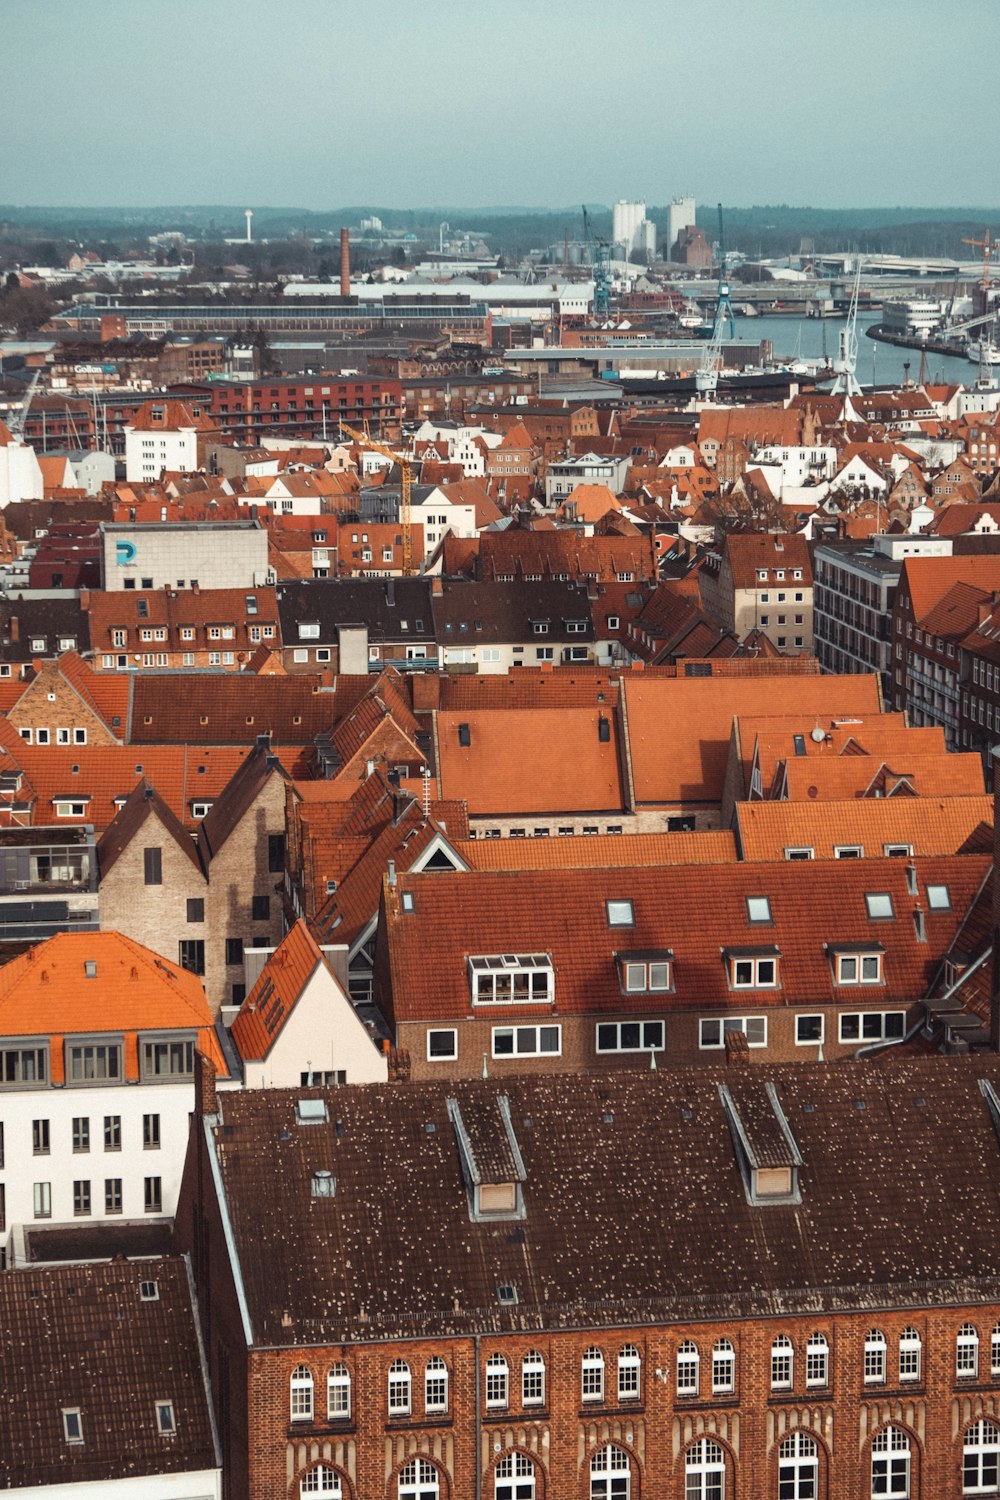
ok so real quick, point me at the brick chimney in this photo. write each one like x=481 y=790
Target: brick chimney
x=84 y=598
x=205 y=1101
x=15 y=629
x=426 y=691
x=737 y=1049
x=345 y=262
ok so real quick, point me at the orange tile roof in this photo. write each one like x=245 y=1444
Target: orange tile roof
x=168 y=416
x=959 y=774
x=679 y=728
x=927 y=579
x=748 y=551
x=600 y=851
x=930 y=825
x=266 y=1010
x=512 y=765
x=45 y=991
x=773 y=740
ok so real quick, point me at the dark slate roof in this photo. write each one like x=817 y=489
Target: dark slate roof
x=229 y=810
x=48 y=620
x=635 y=1204
x=234 y=708
x=143 y=802
x=470 y=614
x=81 y=1336
x=394 y=609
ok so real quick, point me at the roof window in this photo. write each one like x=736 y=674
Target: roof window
x=939 y=898
x=464 y=735
x=165 y=1423
x=879 y=904
x=620 y=913
x=149 y=1291
x=311 y=1112
x=758 y=909
x=507 y=1295
x=72 y=1424
x=324 y=1184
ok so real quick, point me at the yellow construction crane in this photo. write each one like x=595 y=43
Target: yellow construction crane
x=406 y=471
x=988 y=250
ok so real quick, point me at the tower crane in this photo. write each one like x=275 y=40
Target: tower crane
x=706 y=379
x=723 y=306
x=15 y=425
x=846 y=363
x=988 y=249
x=405 y=462
x=600 y=259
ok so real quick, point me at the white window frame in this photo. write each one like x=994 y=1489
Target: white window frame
x=592 y=1370
x=705 y=1470
x=688 y=1370
x=533 y=1379
x=436 y=1057
x=399 y=1389
x=981 y=1443
x=504 y=970
x=850 y=968
x=866 y=1016
x=911 y=1356
x=497 y=1383
x=810 y=1041
x=730 y=1023
x=967 y=1352
x=758 y=968
x=817 y=1360
x=723 y=1368
x=891 y=1475
x=338 y=1392
x=782 y=1363
x=876 y=1357
x=301 y=1395
x=435 y=1385
x=521 y=1037
x=629 y=1373
x=798 y=1466
x=617 y=1027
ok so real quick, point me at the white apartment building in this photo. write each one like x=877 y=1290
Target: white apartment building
x=20 y=474
x=177 y=555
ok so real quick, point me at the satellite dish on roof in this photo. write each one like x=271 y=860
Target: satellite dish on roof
x=818 y=735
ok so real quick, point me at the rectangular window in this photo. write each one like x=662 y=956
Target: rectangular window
x=234 y=950
x=872 y=1026
x=81 y=1199
x=511 y=979
x=40 y=1144
x=112 y=1132
x=196 y=909
x=442 y=1046
x=630 y=1036
x=276 y=853
x=24 y=1065
x=151 y=1132
x=153 y=866
x=712 y=1033
x=72 y=1424
x=859 y=968
x=153 y=1195
x=168 y=1059
x=81 y=1133
x=261 y=908
x=42 y=1194
x=94 y=1062
x=527 y=1041
x=808 y=1030
x=753 y=973
x=192 y=955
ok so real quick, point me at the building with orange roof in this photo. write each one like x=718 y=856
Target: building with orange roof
x=98 y=1037
x=864 y=828
x=297 y=1027
x=763 y=582
x=576 y=971
x=169 y=628
x=601 y=851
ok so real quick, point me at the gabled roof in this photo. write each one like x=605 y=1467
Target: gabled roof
x=143 y=803
x=928 y=579
x=266 y=1010
x=930 y=825
x=233 y=708
x=235 y=801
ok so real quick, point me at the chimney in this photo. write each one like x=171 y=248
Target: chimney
x=391 y=877
x=84 y=598
x=437 y=587
x=426 y=691
x=737 y=1049
x=15 y=629
x=205 y=1101
x=345 y=263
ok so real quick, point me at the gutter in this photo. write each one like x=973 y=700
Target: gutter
x=875 y=1047
x=227 y=1229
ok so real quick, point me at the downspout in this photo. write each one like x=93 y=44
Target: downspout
x=479 y=1434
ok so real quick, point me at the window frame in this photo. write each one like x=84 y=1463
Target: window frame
x=592 y=1376
x=533 y=1370
x=301 y=1395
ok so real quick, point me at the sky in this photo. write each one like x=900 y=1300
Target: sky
x=474 y=103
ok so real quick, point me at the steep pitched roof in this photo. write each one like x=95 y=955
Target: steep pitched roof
x=265 y=1011
x=235 y=801
x=601 y=851
x=142 y=803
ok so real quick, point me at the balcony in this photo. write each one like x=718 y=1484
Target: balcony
x=31 y=860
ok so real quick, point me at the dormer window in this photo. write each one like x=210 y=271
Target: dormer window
x=857 y=965
x=753 y=968
x=761 y=575
x=512 y=979
x=492 y=1166
x=766 y=1151
x=646 y=973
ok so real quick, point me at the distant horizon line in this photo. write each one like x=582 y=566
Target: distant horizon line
x=493 y=209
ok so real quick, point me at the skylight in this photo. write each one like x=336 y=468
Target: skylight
x=938 y=898
x=758 y=908
x=879 y=904
x=621 y=914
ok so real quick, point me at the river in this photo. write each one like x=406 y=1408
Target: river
x=878 y=364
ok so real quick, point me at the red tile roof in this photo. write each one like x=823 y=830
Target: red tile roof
x=511 y=765
x=266 y=1010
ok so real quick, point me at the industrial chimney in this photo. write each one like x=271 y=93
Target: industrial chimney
x=345 y=263
x=249 y=217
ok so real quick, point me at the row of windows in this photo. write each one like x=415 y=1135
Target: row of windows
x=648 y=1036
x=515 y=1475
x=83 y=1197
x=80 y=1134
x=97 y=1061
x=43 y=736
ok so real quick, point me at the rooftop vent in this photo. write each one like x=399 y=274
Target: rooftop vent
x=311 y=1112
x=90 y=968
x=324 y=1184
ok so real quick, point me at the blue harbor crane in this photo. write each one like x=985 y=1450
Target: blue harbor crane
x=600 y=258
x=723 y=306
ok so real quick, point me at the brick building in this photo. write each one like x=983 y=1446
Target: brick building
x=664 y=1285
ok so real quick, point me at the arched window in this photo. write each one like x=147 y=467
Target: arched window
x=497 y=1381
x=533 y=1379
x=687 y=1369
x=782 y=1363
x=418 y=1480
x=301 y=1394
x=981 y=1459
x=910 y=1353
x=515 y=1478
x=723 y=1368
x=817 y=1360
x=400 y=1389
x=705 y=1471
x=891 y=1463
x=967 y=1352
x=338 y=1392
x=875 y=1347
x=798 y=1467
x=592 y=1375
x=322 y=1481
x=610 y=1474
x=995 y=1351
x=436 y=1385
x=629 y=1363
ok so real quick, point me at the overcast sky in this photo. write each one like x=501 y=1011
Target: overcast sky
x=405 y=103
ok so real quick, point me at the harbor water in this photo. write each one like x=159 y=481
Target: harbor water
x=878 y=364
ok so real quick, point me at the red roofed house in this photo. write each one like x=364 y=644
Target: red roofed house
x=764 y=582
x=97 y=1044
x=298 y=1028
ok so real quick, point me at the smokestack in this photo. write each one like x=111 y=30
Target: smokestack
x=345 y=262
